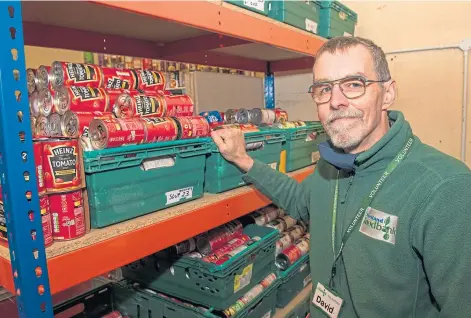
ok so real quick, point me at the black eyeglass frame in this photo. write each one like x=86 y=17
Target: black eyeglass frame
x=333 y=83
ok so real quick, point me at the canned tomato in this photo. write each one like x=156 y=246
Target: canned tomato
x=255 y=116
x=192 y=127
x=61 y=164
x=178 y=105
x=291 y=254
x=76 y=124
x=267 y=281
x=160 y=129
x=184 y=247
x=136 y=104
x=242 y=116
x=46 y=220
x=31 y=80
x=75 y=74
x=150 y=80
x=38 y=162
x=226 y=248
x=219 y=236
x=68 y=217
x=115 y=78
x=33 y=100
x=116 y=132
x=44 y=77
x=280 y=115
x=80 y=98
x=54 y=125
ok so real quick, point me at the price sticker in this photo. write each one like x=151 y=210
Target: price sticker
x=177 y=195
x=242 y=280
x=256 y=4
x=311 y=26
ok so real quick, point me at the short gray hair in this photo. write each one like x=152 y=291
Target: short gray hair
x=342 y=43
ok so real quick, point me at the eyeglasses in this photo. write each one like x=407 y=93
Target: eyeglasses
x=351 y=87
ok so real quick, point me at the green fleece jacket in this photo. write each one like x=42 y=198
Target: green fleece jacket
x=422 y=267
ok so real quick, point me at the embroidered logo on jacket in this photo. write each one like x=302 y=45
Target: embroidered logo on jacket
x=379 y=225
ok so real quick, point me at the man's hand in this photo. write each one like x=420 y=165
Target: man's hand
x=231 y=144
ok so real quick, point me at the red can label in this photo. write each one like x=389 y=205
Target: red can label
x=125 y=131
x=178 y=105
x=79 y=74
x=136 y=104
x=229 y=246
x=160 y=129
x=200 y=126
x=61 y=165
x=68 y=215
x=280 y=115
x=87 y=99
x=185 y=127
x=114 y=78
x=150 y=80
x=46 y=220
x=38 y=162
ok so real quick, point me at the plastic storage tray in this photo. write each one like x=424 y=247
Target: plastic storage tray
x=205 y=283
x=304 y=15
x=336 y=19
x=302 y=309
x=299 y=149
x=142 y=302
x=293 y=280
x=131 y=181
x=257 y=6
x=222 y=175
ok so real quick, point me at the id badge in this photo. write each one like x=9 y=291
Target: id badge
x=327 y=301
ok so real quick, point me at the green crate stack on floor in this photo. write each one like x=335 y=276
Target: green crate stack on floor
x=222 y=175
x=293 y=280
x=257 y=6
x=304 y=15
x=336 y=19
x=207 y=284
x=302 y=309
x=130 y=181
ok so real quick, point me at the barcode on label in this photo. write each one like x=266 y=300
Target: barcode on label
x=242 y=280
x=273 y=165
x=177 y=195
x=311 y=26
x=267 y=315
x=256 y=4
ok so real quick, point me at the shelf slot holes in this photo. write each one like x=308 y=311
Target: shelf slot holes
x=26 y=176
x=14 y=54
x=11 y=12
x=31 y=216
x=16 y=75
x=20 y=116
x=41 y=290
x=24 y=156
x=18 y=96
x=13 y=33
x=22 y=136
x=33 y=235
x=28 y=195
x=43 y=307
x=35 y=253
x=38 y=271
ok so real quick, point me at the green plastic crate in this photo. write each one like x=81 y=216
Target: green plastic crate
x=304 y=15
x=137 y=301
x=293 y=281
x=299 y=148
x=257 y=6
x=336 y=19
x=205 y=283
x=222 y=175
x=302 y=309
x=120 y=189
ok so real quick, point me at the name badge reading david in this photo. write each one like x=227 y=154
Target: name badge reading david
x=326 y=301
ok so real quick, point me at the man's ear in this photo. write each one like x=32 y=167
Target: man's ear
x=389 y=96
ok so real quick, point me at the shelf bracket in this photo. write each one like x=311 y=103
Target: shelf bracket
x=269 y=88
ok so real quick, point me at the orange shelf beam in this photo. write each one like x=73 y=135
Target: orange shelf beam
x=73 y=268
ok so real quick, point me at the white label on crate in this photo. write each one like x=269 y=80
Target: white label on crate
x=346 y=34
x=273 y=165
x=267 y=315
x=311 y=26
x=177 y=195
x=303 y=267
x=242 y=280
x=256 y=4
x=315 y=156
x=307 y=280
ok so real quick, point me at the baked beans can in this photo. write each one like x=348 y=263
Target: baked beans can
x=136 y=104
x=150 y=80
x=44 y=77
x=61 y=164
x=75 y=74
x=45 y=102
x=118 y=79
x=68 y=216
x=192 y=127
x=33 y=100
x=219 y=236
x=268 y=116
x=291 y=254
x=267 y=281
x=76 y=124
x=33 y=125
x=116 y=132
x=46 y=220
x=40 y=128
x=178 y=105
x=54 y=125
x=38 y=162
x=230 y=116
x=280 y=115
x=184 y=247
x=80 y=98
x=160 y=129
x=31 y=80
x=226 y=248
x=255 y=116
x=3 y=220
x=282 y=223
x=242 y=116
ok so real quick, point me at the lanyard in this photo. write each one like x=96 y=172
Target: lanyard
x=364 y=205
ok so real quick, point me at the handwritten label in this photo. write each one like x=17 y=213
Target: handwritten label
x=242 y=280
x=177 y=195
x=256 y=4
x=311 y=26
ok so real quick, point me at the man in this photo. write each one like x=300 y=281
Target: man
x=390 y=217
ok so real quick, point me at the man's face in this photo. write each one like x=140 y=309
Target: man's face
x=349 y=121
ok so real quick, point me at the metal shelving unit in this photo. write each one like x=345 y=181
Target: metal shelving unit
x=200 y=32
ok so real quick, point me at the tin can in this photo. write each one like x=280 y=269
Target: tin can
x=61 y=164
x=33 y=100
x=242 y=116
x=45 y=102
x=194 y=255
x=114 y=314
x=116 y=132
x=271 y=213
x=46 y=220
x=75 y=74
x=226 y=248
x=291 y=254
x=267 y=281
x=68 y=215
x=41 y=128
x=213 y=117
x=118 y=79
x=268 y=116
x=54 y=125
x=284 y=242
x=252 y=293
x=160 y=129
x=80 y=98
x=44 y=77
x=178 y=105
x=38 y=162
x=31 y=80
x=230 y=116
x=278 y=224
x=232 y=253
x=150 y=80
x=255 y=116
x=3 y=221
x=136 y=104
x=184 y=247
x=76 y=123
x=219 y=236
x=185 y=127
x=32 y=121
x=280 y=115
x=200 y=126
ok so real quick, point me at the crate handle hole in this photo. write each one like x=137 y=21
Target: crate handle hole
x=26 y=176
x=13 y=33
x=24 y=156
x=41 y=290
x=16 y=75
x=14 y=54
x=20 y=116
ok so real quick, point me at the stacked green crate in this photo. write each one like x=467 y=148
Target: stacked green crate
x=336 y=19
x=258 y=6
x=293 y=281
x=302 y=309
x=208 y=284
x=127 y=182
x=222 y=175
x=304 y=15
